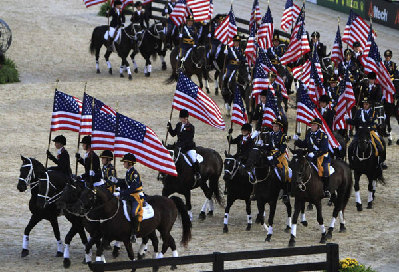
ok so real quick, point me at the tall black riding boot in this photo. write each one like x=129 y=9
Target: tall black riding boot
x=326 y=188
x=197 y=175
x=285 y=192
x=135 y=225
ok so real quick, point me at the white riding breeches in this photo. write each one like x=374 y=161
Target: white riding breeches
x=111 y=33
x=193 y=155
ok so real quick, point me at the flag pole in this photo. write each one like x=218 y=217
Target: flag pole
x=91 y=159
x=77 y=150
x=49 y=136
x=116 y=109
x=178 y=66
x=231 y=127
x=252 y=85
x=167 y=130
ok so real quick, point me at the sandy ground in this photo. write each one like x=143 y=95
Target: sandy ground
x=50 y=41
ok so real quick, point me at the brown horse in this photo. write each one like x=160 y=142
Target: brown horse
x=308 y=187
x=99 y=205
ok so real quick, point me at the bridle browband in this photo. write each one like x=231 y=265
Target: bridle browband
x=31 y=174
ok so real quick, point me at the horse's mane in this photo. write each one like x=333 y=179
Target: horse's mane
x=38 y=165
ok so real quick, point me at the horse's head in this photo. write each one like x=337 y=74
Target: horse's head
x=299 y=165
x=243 y=77
x=85 y=202
x=70 y=194
x=230 y=167
x=157 y=30
x=30 y=171
x=364 y=139
x=198 y=56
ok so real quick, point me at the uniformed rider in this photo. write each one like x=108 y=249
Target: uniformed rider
x=62 y=160
x=332 y=90
x=244 y=143
x=320 y=47
x=325 y=111
x=233 y=59
x=216 y=45
x=390 y=65
x=370 y=89
x=277 y=50
x=189 y=38
x=91 y=163
x=171 y=27
x=350 y=64
x=138 y=16
x=117 y=20
x=258 y=113
x=108 y=170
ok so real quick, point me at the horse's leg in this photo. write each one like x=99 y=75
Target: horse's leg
x=162 y=55
x=230 y=201
x=148 y=67
x=116 y=249
x=175 y=254
x=141 y=252
x=125 y=63
x=260 y=217
x=370 y=189
x=303 y=215
x=249 y=216
x=216 y=82
x=297 y=207
x=270 y=221
x=88 y=252
x=337 y=209
x=68 y=239
x=129 y=249
x=34 y=219
x=106 y=56
x=135 y=69
x=97 y=58
x=356 y=175
x=202 y=214
x=342 y=227
x=211 y=207
x=208 y=194
x=188 y=204
x=389 y=128
x=56 y=229
x=201 y=84
x=100 y=249
x=155 y=242
x=321 y=223
x=289 y=212
x=206 y=77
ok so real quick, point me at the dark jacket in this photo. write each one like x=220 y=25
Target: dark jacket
x=392 y=69
x=328 y=116
x=243 y=148
x=276 y=144
x=320 y=48
x=117 y=20
x=95 y=166
x=108 y=171
x=169 y=6
x=364 y=119
x=234 y=57
x=258 y=116
x=316 y=142
x=62 y=161
x=138 y=18
x=374 y=94
x=354 y=71
x=133 y=183
x=185 y=136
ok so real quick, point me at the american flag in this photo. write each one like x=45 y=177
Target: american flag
x=255 y=15
x=299 y=44
x=345 y=103
x=179 y=13
x=190 y=97
x=147 y=2
x=337 y=55
x=66 y=112
x=140 y=140
x=307 y=111
x=210 y=9
x=260 y=80
x=290 y=14
x=271 y=112
x=238 y=115
x=87 y=112
x=104 y=127
x=372 y=62
x=265 y=31
x=227 y=29
x=200 y=9
x=250 y=50
x=90 y=3
x=356 y=29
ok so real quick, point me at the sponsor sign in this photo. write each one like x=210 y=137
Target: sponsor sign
x=358 y=6
x=383 y=12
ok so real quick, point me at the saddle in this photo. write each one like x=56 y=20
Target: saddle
x=200 y=159
x=148 y=211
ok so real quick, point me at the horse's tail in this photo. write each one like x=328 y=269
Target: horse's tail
x=92 y=48
x=181 y=207
x=348 y=188
x=154 y=56
x=214 y=183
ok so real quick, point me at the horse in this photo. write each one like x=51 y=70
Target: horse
x=308 y=187
x=150 y=44
x=238 y=187
x=193 y=65
x=100 y=206
x=127 y=40
x=362 y=160
x=210 y=169
x=267 y=186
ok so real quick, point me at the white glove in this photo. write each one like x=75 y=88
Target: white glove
x=194 y=46
x=255 y=134
x=166 y=11
x=113 y=179
x=225 y=51
x=91 y=173
x=180 y=35
x=295 y=137
x=270 y=158
x=117 y=194
x=311 y=155
x=346 y=116
x=209 y=35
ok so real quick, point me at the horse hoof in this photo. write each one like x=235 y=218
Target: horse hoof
x=329 y=233
x=202 y=216
x=130 y=77
x=173 y=267
x=121 y=75
x=207 y=91
x=216 y=92
x=323 y=239
x=115 y=251
x=164 y=66
x=59 y=254
x=304 y=223
x=225 y=229
x=342 y=228
x=110 y=71
x=136 y=70
x=248 y=227
x=370 y=205
x=359 y=207
x=140 y=256
x=287 y=229
x=310 y=207
x=90 y=266
x=67 y=262
x=268 y=238
x=210 y=213
x=147 y=74
x=98 y=71
x=24 y=253
x=291 y=243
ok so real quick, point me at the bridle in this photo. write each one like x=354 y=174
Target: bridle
x=198 y=63
x=101 y=220
x=235 y=168
x=31 y=175
x=49 y=200
x=301 y=183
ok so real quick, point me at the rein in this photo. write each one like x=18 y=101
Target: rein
x=49 y=200
x=86 y=215
x=302 y=184
x=30 y=175
x=363 y=158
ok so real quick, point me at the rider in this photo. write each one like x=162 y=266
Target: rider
x=333 y=90
x=276 y=145
x=328 y=114
x=185 y=140
x=277 y=91
x=244 y=143
x=316 y=141
x=390 y=65
x=370 y=89
x=62 y=160
x=320 y=48
x=277 y=50
x=189 y=38
x=108 y=170
x=350 y=64
x=91 y=163
x=258 y=113
x=216 y=45
x=133 y=192
x=366 y=118
x=117 y=21
x=171 y=27
x=233 y=59
x=138 y=16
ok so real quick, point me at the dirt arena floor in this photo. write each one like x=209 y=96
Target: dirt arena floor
x=51 y=40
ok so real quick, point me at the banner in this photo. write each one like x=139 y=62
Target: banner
x=383 y=12
x=358 y=6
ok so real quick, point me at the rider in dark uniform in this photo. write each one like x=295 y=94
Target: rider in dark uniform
x=189 y=38
x=244 y=143
x=258 y=113
x=277 y=50
x=316 y=142
x=108 y=170
x=91 y=163
x=117 y=20
x=328 y=114
x=370 y=89
x=390 y=65
x=171 y=27
x=138 y=16
x=320 y=47
x=332 y=90
x=349 y=63
x=233 y=59
x=185 y=140
x=62 y=160
x=216 y=45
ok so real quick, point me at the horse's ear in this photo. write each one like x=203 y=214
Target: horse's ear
x=225 y=153
x=23 y=158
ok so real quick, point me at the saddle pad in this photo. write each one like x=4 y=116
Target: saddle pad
x=148 y=211
x=200 y=159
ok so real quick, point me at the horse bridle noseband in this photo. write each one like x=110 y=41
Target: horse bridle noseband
x=94 y=208
x=30 y=175
x=235 y=167
x=301 y=184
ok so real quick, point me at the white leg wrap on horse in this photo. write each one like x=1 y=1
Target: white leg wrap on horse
x=265 y=226
x=303 y=217
x=216 y=83
x=190 y=213
x=60 y=246
x=145 y=247
x=98 y=259
x=370 y=198
x=206 y=84
x=211 y=207
x=289 y=221
x=155 y=255
x=145 y=69
x=249 y=219
x=293 y=230
x=66 y=252
x=88 y=258
x=374 y=185
x=134 y=64
x=121 y=70
x=141 y=250
x=160 y=255
x=25 y=242
x=323 y=228
x=117 y=244
x=270 y=230
x=162 y=58
x=203 y=209
x=109 y=64
x=332 y=222
x=357 y=195
x=128 y=70
x=226 y=219
x=103 y=259
x=264 y=212
x=341 y=217
x=97 y=66
x=149 y=68
x=174 y=253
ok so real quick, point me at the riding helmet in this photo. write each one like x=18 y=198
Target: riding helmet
x=356 y=44
x=138 y=4
x=278 y=122
x=366 y=100
x=272 y=74
x=86 y=140
x=263 y=93
x=246 y=127
x=60 y=139
x=129 y=157
x=236 y=38
x=388 y=53
x=183 y=114
x=190 y=17
x=316 y=121
x=333 y=79
x=315 y=34
x=348 y=52
x=324 y=98
x=107 y=154
x=371 y=75
x=117 y=3
x=276 y=36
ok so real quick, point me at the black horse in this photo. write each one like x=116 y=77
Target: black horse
x=210 y=169
x=267 y=186
x=363 y=160
x=308 y=187
x=238 y=187
x=126 y=44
